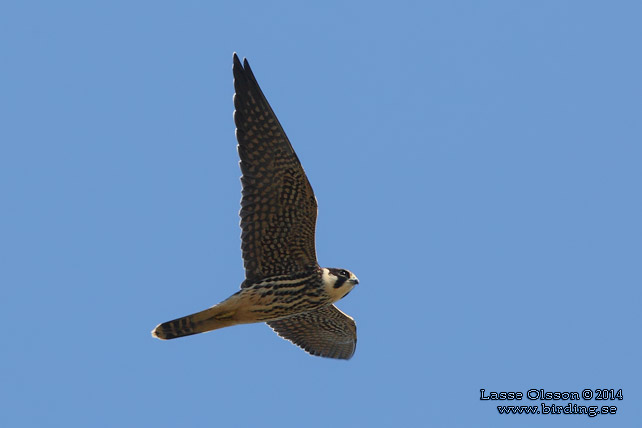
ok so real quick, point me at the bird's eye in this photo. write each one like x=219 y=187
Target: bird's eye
x=345 y=273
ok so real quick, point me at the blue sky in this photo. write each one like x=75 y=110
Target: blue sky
x=477 y=165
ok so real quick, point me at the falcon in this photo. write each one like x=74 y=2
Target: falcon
x=284 y=285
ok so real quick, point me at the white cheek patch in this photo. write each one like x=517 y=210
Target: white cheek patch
x=328 y=279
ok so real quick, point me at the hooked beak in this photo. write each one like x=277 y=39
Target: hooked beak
x=354 y=280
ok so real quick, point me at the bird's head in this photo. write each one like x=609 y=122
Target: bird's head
x=338 y=282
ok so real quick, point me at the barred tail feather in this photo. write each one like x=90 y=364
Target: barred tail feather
x=200 y=322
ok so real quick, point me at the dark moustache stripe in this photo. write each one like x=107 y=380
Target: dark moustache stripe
x=340 y=281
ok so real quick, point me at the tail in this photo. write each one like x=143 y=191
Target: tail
x=209 y=319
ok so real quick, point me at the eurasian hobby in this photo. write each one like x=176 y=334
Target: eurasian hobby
x=284 y=285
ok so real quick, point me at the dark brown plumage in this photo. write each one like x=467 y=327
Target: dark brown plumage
x=325 y=332
x=278 y=207
x=284 y=285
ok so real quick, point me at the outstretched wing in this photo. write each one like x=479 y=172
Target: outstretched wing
x=278 y=207
x=326 y=332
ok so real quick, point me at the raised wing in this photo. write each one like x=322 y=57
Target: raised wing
x=278 y=207
x=326 y=332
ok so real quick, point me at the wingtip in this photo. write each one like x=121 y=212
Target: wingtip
x=236 y=60
x=242 y=70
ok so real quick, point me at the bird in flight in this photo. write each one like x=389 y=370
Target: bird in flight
x=284 y=285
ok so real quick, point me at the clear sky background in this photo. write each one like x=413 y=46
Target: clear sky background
x=477 y=165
